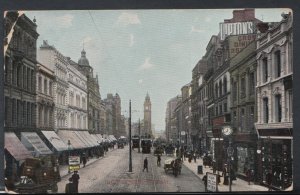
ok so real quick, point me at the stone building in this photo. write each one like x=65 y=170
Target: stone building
x=93 y=94
x=275 y=102
x=77 y=97
x=186 y=114
x=45 y=102
x=171 y=132
x=243 y=81
x=198 y=107
x=102 y=118
x=147 y=116
x=50 y=57
x=20 y=66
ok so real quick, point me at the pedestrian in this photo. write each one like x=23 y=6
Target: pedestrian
x=204 y=179
x=269 y=180
x=83 y=159
x=248 y=174
x=224 y=174
x=75 y=180
x=158 y=160
x=195 y=156
x=145 y=164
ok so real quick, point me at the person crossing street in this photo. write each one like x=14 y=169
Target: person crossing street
x=145 y=164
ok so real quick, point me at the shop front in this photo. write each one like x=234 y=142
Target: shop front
x=276 y=158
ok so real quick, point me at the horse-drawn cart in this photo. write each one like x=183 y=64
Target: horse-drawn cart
x=174 y=165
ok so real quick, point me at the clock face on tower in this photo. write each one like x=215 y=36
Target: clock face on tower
x=146 y=107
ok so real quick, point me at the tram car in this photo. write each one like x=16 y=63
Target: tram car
x=135 y=142
x=146 y=145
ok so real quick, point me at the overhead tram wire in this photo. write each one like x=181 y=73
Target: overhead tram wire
x=105 y=45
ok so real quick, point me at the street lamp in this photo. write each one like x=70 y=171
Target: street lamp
x=69 y=143
x=139 y=150
x=130 y=156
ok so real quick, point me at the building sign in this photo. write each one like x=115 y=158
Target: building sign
x=238 y=42
x=211 y=182
x=238 y=28
x=74 y=163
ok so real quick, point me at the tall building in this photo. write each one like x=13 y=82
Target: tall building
x=147 y=116
x=274 y=99
x=55 y=61
x=171 y=128
x=20 y=74
x=93 y=94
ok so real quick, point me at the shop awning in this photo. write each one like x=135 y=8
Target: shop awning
x=100 y=137
x=15 y=147
x=66 y=135
x=56 y=141
x=91 y=139
x=112 y=137
x=96 y=138
x=280 y=133
x=34 y=143
x=83 y=138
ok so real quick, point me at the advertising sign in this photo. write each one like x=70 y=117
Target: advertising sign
x=211 y=182
x=74 y=163
x=238 y=28
x=238 y=42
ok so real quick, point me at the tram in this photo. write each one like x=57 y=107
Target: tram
x=135 y=141
x=146 y=145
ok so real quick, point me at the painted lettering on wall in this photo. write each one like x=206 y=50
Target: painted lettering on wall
x=238 y=28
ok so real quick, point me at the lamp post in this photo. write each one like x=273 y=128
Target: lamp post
x=130 y=157
x=69 y=143
x=139 y=150
x=227 y=132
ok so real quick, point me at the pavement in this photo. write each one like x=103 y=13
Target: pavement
x=237 y=185
x=63 y=169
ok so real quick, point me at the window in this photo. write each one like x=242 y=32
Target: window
x=252 y=110
x=290 y=96
x=6 y=111
x=220 y=88
x=50 y=88
x=251 y=83
x=220 y=108
x=265 y=69
x=216 y=110
x=243 y=87
x=234 y=91
x=216 y=90
x=242 y=119
x=278 y=108
x=45 y=87
x=225 y=85
x=225 y=107
x=265 y=110
x=277 y=63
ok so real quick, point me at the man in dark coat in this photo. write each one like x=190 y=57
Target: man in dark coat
x=75 y=180
x=83 y=159
x=158 y=160
x=145 y=164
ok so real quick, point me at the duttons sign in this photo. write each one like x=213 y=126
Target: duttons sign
x=238 y=28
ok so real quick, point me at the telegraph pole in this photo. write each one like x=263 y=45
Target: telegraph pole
x=130 y=157
x=139 y=150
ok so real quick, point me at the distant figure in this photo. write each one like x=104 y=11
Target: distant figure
x=158 y=160
x=75 y=179
x=145 y=164
x=83 y=159
x=195 y=156
x=205 y=181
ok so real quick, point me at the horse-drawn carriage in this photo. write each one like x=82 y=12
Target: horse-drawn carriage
x=174 y=165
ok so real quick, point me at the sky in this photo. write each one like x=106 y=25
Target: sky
x=138 y=51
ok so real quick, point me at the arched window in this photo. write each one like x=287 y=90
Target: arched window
x=278 y=108
x=277 y=63
x=220 y=88
x=216 y=90
x=265 y=69
x=265 y=110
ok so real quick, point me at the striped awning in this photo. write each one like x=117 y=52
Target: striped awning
x=15 y=147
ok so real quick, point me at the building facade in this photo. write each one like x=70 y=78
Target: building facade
x=243 y=111
x=45 y=100
x=55 y=61
x=170 y=120
x=186 y=114
x=20 y=74
x=93 y=94
x=275 y=102
x=77 y=98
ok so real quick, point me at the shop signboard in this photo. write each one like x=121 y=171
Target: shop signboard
x=236 y=28
x=74 y=163
x=211 y=182
x=238 y=42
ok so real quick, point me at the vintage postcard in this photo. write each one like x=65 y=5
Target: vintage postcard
x=148 y=100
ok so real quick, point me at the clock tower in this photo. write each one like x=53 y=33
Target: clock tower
x=147 y=116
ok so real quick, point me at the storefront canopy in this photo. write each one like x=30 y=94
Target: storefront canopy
x=14 y=146
x=100 y=137
x=96 y=138
x=280 y=133
x=112 y=137
x=34 y=143
x=55 y=141
x=75 y=141
x=85 y=138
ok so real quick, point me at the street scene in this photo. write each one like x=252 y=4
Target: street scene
x=116 y=101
